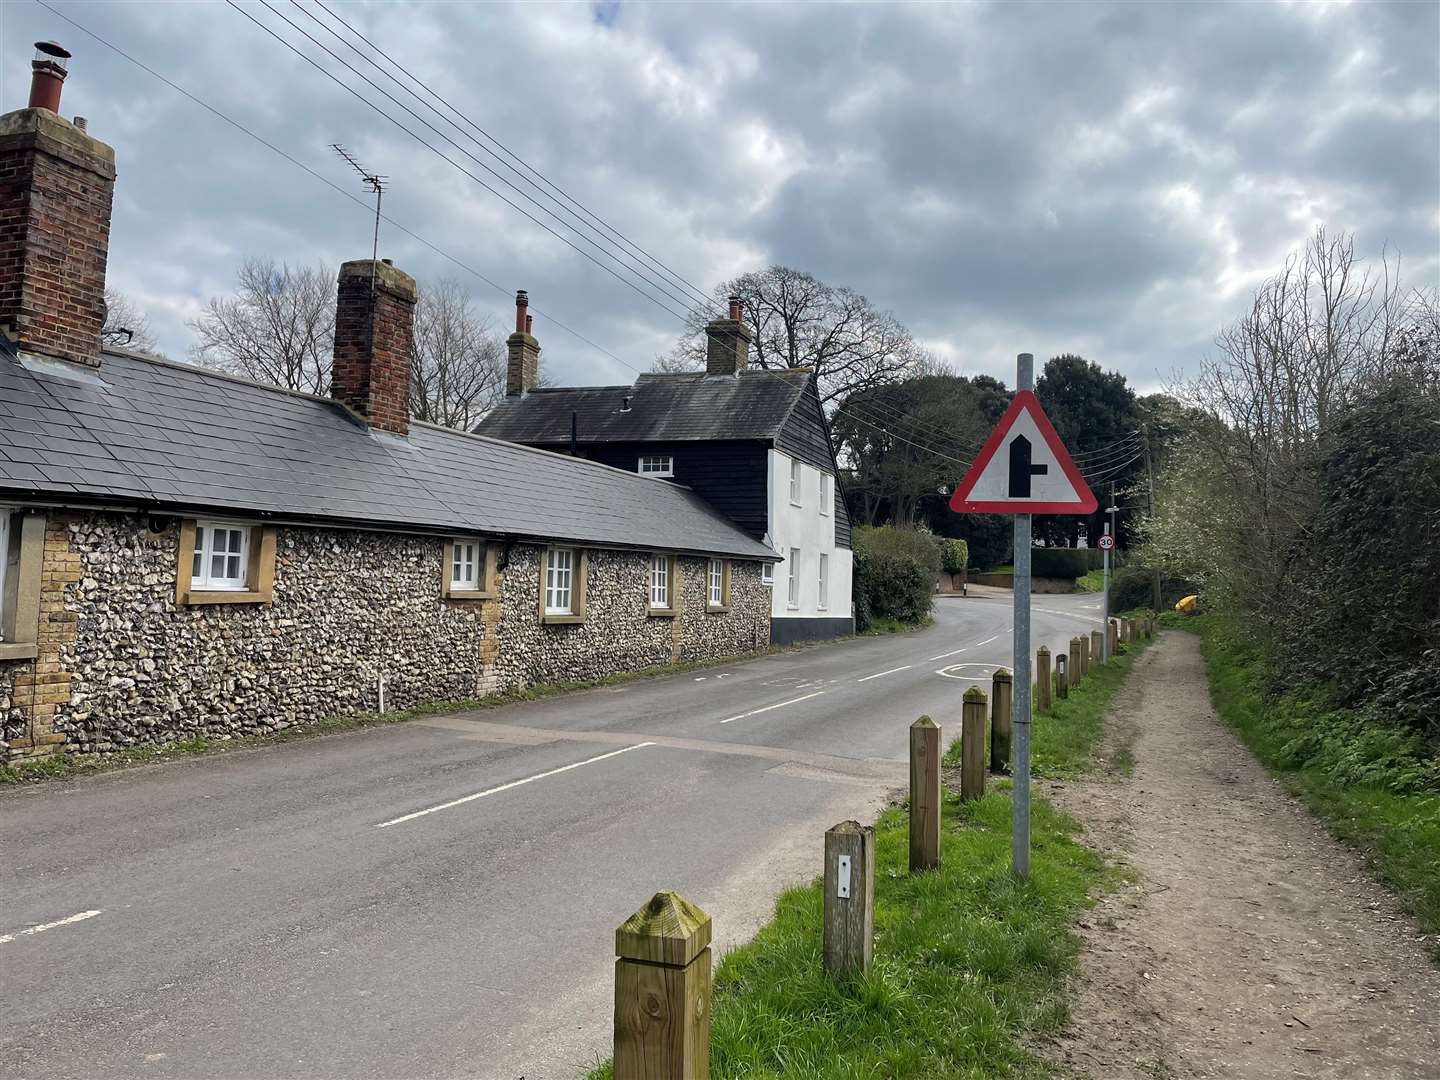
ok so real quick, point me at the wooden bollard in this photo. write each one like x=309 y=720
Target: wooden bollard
x=1002 y=688
x=1084 y=655
x=1042 y=679
x=849 y=899
x=1062 y=684
x=924 y=794
x=1129 y=631
x=662 y=991
x=1097 y=647
x=972 y=744
x=1074 y=670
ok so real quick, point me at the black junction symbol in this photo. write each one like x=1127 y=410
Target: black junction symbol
x=1020 y=468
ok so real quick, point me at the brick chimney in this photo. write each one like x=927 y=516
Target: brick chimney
x=56 y=185
x=374 y=348
x=522 y=365
x=727 y=348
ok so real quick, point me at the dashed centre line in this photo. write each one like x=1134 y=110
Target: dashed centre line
x=892 y=671
x=767 y=708
x=957 y=652
x=5 y=939
x=511 y=784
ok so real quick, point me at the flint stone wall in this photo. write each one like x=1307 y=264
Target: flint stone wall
x=348 y=607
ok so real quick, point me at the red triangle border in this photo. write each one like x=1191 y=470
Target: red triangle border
x=961 y=503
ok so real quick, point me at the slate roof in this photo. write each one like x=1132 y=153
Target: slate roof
x=663 y=408
x=155 y=434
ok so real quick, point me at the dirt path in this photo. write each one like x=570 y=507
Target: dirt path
x=1251 y=944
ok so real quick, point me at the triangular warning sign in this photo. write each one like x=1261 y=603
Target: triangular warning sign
x=1023 y=468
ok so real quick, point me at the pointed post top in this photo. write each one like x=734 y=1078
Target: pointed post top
x=923 y=722
x=667 y=930
x=1003 y=675
x=975 y=694
x=1044 y=649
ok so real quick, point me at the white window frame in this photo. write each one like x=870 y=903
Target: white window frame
x=825 y=497
x=767 y=574
x=466 y=555
x=715 y=583
x=660 y=583
x=204 y=579
x=792 y=591
x=824 y=582
x=797 y=493
x=560 y=599
x=659 y=466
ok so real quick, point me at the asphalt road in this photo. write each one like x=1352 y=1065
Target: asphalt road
x=438 y=898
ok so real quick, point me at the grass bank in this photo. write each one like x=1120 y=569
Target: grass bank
x=970 y=962
x=1091 y=581
x=1375 y=787
x=59 y=766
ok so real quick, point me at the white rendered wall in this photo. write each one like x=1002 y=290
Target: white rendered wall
x=804 y=527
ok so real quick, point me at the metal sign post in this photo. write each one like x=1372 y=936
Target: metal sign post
x=1106 y=543
x=1020 y=803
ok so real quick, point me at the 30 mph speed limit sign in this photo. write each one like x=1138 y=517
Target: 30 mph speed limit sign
x=1107 y=542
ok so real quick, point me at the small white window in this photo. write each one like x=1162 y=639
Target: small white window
x=767 y=573
x=658 y=465
x=659 y=581
x=795 y=493
x=717 y=582
x=824 y=600
x=222 y=558
x=793 y=597
x=465 y=566
x=559 y=575
x=825 y=497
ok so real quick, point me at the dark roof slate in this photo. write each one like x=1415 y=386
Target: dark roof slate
x=154 y=432
x=753 y=405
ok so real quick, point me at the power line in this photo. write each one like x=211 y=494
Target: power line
x=703 y=297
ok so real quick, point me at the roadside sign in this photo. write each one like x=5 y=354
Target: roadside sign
x=1107 y=542
x=1023 y=468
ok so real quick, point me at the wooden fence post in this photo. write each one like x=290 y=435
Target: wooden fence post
x=1062 y=683
x=1084 y=655
x=924 y=794
x=662 y=991
x=1001 y=702
x=1042 y=679
x=849 y=899
x=1112 y=628
x=1073 y=670
x=972 y=744
x=1097 y=646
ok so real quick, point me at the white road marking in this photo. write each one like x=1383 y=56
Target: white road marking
x=512 y=784
x=957 y=652
x=767 y=708
x=946 y=671
x=5 y=939
x=877 y=675
x=1067 y=614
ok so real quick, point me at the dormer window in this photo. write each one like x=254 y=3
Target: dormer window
x=659 y=466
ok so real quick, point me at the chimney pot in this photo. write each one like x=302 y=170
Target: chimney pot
x=530 y=325
x=47 y=75
x=735 y=308
x=82 y=123
x=522 y=302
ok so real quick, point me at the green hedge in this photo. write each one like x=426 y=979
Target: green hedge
x=894 y=574
x=954 y=556
x=1065 y=562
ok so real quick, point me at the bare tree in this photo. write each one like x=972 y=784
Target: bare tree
x=800 y=321
x=459 y=368
x=279 y=327
x=126 y=326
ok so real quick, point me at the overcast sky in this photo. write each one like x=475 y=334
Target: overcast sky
x=1108 y=179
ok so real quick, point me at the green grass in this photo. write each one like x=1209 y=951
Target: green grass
x=1063 y=739
x=1091 y=581
x=59 y=766
x=970 y=963
x=1376 y=788
x=884 y=624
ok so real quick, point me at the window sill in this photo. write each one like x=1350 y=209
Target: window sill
x=19 y=650
x=662 y=612
x=717 y=609
x=562 y=620
x=196 y=599
x=470 y=594
x=792 y=607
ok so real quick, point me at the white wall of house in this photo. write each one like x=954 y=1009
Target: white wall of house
x=811 y=533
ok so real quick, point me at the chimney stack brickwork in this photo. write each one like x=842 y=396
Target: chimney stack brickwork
x=371 y=372
x=522 y=363
x=56 y=187
x=727 y=344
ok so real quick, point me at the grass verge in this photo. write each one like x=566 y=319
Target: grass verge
x=1091 y=581
x=970 y=962
x=884 y=624
x=1376 y=789
x=1063 y=739
x=59 y=766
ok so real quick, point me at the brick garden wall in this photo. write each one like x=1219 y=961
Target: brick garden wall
x=121 y=664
